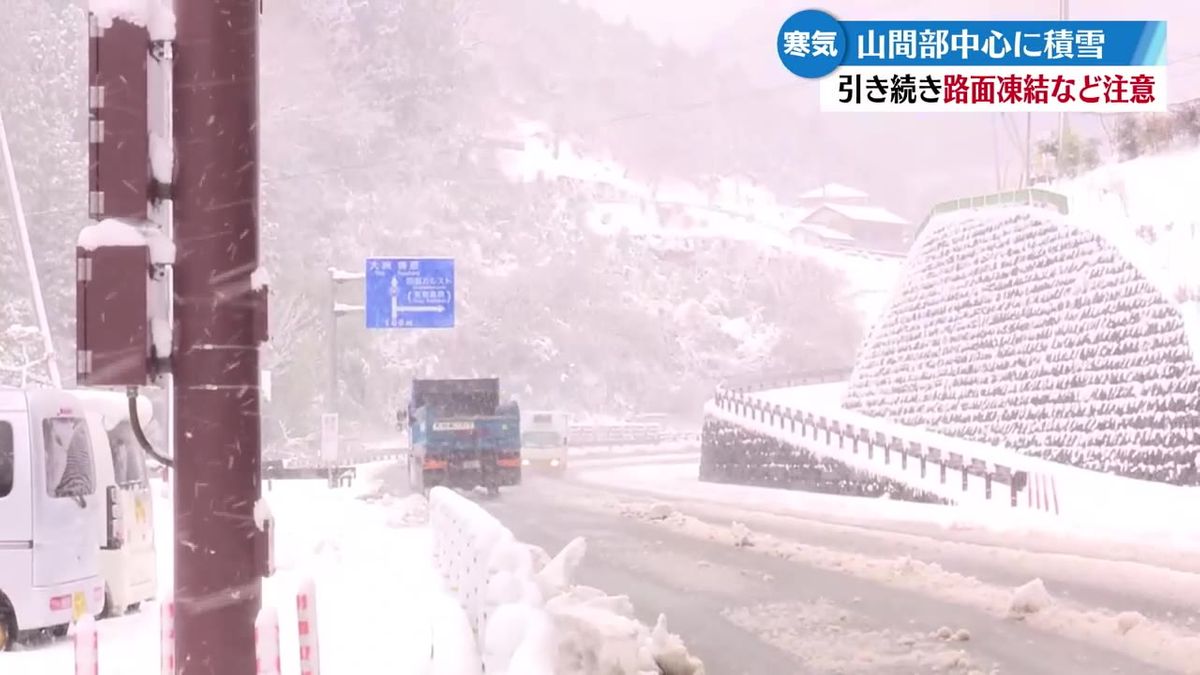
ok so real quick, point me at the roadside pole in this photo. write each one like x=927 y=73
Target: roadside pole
x=218 y=328
x=35 y=284
x=337 y=309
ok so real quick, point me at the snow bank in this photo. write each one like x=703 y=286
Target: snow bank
x=1164 y=643
x=525 y=611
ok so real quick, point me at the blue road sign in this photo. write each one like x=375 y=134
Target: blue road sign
x=409 y=293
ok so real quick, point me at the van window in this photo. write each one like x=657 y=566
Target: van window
x=8 y=459
x=70 y=471
x=129 y=461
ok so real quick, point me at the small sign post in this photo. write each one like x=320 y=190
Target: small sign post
x=329 y=438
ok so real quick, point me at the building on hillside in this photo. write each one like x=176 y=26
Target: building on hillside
x=819 y=235
x=842 y=216
x=872 y=227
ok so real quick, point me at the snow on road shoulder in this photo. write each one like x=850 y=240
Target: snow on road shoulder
x=375 y=585
x=680 y=480
x=1156 y=642
x=373 y=572
x=966 y=522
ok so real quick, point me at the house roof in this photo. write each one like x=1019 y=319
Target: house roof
x=834 y=191
x=870 y=214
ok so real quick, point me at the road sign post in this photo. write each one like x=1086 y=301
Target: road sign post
x=336 y=310
x=329 y=438
x=409 y=293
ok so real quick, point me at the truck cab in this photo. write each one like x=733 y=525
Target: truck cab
x=49 y=503
x=125 y=526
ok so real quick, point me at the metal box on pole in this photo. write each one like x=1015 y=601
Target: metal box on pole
x=118 y=126
x=112 y=332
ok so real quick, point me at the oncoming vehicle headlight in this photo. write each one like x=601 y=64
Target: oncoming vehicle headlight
x=554 y=462
x=524 y=462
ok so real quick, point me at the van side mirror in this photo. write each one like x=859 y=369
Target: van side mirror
x=115 y=530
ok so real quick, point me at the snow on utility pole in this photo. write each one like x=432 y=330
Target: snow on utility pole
x=219 y=323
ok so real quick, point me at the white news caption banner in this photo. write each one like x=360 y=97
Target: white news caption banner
x=852 y=89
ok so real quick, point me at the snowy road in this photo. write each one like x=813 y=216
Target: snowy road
x=745 y=611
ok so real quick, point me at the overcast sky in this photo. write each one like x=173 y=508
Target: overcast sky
x=957 y=154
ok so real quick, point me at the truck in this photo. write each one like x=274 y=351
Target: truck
x=461 y=436
x=544 y=440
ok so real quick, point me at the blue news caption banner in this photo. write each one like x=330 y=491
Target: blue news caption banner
x=812 y=43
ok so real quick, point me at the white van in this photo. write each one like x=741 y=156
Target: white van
x=125 y=526
x=49 y=552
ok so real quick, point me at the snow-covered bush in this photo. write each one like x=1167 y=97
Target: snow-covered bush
x=527 y=613
x=1014 y=328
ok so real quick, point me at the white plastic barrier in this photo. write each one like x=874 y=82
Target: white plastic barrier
x=523 y=609
x=484 y=568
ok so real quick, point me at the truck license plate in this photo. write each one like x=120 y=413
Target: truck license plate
x=471 y=464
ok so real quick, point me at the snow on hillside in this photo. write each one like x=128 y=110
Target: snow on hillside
x=1013 y=328
x=539 y=159
x=674 y=212
x=1146 y=207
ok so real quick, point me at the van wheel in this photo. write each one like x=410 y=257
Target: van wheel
x=110 y=610
x=8 y=627
x=107 y=610
x=135 y=607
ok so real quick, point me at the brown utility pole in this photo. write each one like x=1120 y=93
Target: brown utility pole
x=218 y=327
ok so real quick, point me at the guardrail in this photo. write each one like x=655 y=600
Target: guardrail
x=1026 y=196
x=594 y=435
x=954 y=469
x=949 y=468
